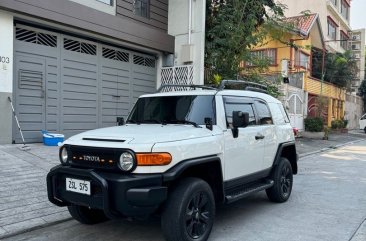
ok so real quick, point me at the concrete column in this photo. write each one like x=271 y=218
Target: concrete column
x=178 y=27
x=342 y=109
x=6 y=76
x=330 y=111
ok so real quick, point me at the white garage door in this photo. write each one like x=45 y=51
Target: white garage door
x=68 y=85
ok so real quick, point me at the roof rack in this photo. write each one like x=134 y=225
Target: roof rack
x=250 y=86
x=179 y=87
x=225 y=84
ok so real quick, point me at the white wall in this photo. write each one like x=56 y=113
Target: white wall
x=6 y=76
x=353 y=111
x=6 y=52
x=178 y=27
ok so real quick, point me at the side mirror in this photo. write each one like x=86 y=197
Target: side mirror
x=240 y=119
x=120 y=121
x=208 y=122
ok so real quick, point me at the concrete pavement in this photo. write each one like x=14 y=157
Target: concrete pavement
x=23 y=199
x=327 y=204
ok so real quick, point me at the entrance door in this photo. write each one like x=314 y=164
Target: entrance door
x=295 y=112
x=30 y=97
x=244 y=154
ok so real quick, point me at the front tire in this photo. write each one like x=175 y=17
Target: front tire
x=87 y=215
x=283 y=179
x=189 y=211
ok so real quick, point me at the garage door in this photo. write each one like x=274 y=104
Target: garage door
x=69 y=85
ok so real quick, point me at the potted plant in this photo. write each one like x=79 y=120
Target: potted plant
x=314 y=128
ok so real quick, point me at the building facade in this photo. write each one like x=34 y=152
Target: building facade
x=334 y=16
x=357 y=46
x=75 y=65
x=303 y=95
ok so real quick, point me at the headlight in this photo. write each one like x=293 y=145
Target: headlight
x=126 y=161
x=63 y=155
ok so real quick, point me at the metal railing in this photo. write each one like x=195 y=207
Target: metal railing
x=177 y=75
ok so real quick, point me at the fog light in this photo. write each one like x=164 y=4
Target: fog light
x=63 y=155
x=126 y=161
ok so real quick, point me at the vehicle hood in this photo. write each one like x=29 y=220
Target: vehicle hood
x=143 y=133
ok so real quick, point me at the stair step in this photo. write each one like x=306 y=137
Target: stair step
x=248 y=190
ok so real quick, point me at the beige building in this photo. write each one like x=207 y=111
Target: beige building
x=357 y=45
x=334 y=17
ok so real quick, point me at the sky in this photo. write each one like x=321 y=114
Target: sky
x=358 y=14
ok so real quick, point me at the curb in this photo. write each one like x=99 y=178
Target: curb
x=12 y=234
x=330 y=148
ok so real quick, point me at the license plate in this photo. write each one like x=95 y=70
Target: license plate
x=79 y=186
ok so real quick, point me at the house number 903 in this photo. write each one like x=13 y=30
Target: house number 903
x=4 y=60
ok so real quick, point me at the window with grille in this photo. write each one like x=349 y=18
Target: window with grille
x=344 y=9
x=344 y=39
x=116 y=55
x=269 y=55
x=145 y=61
x=334 y=2
x=332 y=29
x=141 y=8
x=80 y=47
x=35 y=37
x=301 y=59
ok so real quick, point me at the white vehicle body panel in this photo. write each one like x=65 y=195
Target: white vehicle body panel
x=362 y=122
x=239 y=156
x=243 y=155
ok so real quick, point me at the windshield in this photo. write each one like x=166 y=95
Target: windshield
x=173 y=110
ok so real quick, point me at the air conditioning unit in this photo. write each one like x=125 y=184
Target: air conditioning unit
x=356 y=37
x=356 y=56
x=355 y=46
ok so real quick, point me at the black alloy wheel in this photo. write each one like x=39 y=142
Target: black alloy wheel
x=283 y=179
x=189 y=212
x=198 y=215
x=286 y=181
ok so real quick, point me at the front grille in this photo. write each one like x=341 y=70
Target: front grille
x=93 y=157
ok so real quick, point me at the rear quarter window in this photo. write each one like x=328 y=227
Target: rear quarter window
x=278 y=114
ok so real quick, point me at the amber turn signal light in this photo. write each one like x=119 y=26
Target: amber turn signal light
x=153 y=159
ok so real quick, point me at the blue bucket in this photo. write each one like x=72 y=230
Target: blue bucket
x=52 y=139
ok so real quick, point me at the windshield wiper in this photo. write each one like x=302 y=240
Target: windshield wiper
x=186 y=122
x=152 y=121
x=132 y=121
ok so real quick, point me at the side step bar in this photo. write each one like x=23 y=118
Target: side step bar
x=247 y=190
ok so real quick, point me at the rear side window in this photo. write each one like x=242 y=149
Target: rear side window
x=284 y=113
x=238 y=104
x=263 y=112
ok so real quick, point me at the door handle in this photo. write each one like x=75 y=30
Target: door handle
x=259 y=137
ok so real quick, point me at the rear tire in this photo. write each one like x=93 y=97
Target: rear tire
x=283 y=179
x=87 y=215
x=189 y=212
x=364 y=129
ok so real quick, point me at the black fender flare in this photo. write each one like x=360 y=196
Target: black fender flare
x=174 y=172
x=279 y=153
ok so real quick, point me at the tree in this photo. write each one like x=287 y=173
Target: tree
x=339 y=68
x=362 y=92
x=232 y=28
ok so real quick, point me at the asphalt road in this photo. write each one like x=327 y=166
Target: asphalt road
x=328 y=203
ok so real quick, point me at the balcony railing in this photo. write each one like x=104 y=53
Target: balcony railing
x=181 y=75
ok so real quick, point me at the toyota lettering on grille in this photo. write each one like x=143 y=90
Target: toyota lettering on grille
x=91 y=158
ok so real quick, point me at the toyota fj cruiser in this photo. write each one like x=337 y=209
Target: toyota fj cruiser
x=178 y=155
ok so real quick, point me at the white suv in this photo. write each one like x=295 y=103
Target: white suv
x=178 y=155
x=362 y=123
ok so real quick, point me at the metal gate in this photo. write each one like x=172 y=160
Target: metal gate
x=68 y=85
x=296 y=110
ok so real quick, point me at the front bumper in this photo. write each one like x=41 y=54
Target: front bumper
x=116 y=194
